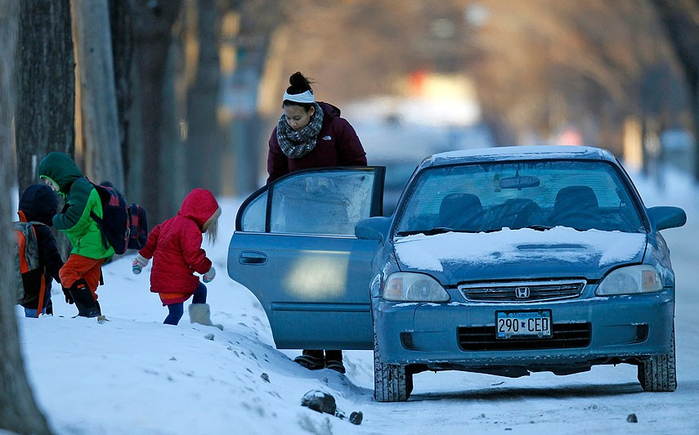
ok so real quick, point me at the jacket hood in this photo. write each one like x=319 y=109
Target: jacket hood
x=199 y=205
x=39 y=203
x=329 y=110
x=61 y=168
x=561 y=252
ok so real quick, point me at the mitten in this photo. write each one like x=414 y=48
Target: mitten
x=138 y=264
x=210 y=275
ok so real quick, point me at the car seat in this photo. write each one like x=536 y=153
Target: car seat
x=461 y=212
x=576 y=207
x=517 y=213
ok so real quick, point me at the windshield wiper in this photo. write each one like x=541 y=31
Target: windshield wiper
x=432 y=232
x=539 y=227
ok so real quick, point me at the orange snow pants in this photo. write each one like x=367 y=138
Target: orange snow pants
x=77 y=267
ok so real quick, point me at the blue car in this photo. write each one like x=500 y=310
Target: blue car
x=503 y=261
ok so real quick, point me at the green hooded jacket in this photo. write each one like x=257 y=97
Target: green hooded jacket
x=81 y=198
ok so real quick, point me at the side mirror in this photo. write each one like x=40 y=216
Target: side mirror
x=374 y=228
x=667 y=217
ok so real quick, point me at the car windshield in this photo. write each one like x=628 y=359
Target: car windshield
x=482 y=197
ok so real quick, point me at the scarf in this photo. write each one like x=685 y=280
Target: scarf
x=296 y=144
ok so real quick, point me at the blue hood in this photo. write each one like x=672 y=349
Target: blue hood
x=518 y=254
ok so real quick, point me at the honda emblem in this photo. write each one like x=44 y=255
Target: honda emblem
x=522 y=292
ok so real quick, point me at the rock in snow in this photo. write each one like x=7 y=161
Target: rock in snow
x=323 y=402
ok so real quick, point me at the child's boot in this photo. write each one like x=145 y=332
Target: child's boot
x=84 y=301
x=201 y=313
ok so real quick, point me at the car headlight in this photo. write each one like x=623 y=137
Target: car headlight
x=630 y=280
x=413 y=287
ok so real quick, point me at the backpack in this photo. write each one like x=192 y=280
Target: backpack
x=139 y=226
x=123 y=226
x=26 y=258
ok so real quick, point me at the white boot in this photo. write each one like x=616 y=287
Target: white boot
x=201 y=313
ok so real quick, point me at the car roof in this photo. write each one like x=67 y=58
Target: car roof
x=542 y=152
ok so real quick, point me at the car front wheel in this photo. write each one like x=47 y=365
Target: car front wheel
x=392 y=382
x=658 y=373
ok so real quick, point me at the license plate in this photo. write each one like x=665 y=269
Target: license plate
x=523 y=324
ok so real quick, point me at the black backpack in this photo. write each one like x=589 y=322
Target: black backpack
x=123 y=226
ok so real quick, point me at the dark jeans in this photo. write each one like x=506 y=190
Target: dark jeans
x=177 y=310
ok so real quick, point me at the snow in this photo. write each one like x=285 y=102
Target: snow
x=134 y=375
x=563 y=244
x=524 y=152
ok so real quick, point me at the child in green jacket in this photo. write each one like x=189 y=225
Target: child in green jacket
x=81 y=274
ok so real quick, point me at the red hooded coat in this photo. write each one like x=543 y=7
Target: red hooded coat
x=175 y=247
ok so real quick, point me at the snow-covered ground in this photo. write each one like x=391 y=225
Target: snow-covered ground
x=134 y=375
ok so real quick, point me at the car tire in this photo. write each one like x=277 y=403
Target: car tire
x=392 y=382
x=658 y=373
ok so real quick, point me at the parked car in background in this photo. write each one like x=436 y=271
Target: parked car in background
x=503 y=261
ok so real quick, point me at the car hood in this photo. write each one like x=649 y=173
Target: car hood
x=518 y=254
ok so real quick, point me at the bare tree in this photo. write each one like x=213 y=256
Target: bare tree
x=538 y=65
x=46 y=85
x=681 y=19
x=203 y=143
x=18 y=410
x=98 y=105
x=122 y=53
x=252 y=47
x=152 y=26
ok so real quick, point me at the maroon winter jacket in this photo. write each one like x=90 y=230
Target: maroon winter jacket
x=337 y=145
x=175 y=246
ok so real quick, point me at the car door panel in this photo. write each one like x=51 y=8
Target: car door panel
x=314 y=287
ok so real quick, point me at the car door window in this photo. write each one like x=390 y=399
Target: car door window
x=328 y=202
x=253 y=215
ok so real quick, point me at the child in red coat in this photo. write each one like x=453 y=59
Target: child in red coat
x=175 y=247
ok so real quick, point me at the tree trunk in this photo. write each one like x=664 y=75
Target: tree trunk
x=103 y=158
x=122 y=53
x=258 y=21
x=46 y=85
x=152 y=27
x=203 y=143
x=18 y=410
x=680 y=19
x=45 y=111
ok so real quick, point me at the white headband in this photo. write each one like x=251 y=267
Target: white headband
x=303 y=97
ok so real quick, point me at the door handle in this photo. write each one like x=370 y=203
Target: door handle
x=250 y=257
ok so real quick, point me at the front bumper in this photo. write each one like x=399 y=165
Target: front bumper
x=619 y=329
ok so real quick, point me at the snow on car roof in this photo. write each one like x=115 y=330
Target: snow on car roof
x=518 y=153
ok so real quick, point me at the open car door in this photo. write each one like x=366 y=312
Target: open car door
x=294 y=248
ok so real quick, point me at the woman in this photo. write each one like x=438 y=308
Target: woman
x=312 y=134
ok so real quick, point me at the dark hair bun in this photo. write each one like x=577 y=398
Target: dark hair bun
x=299 y=84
